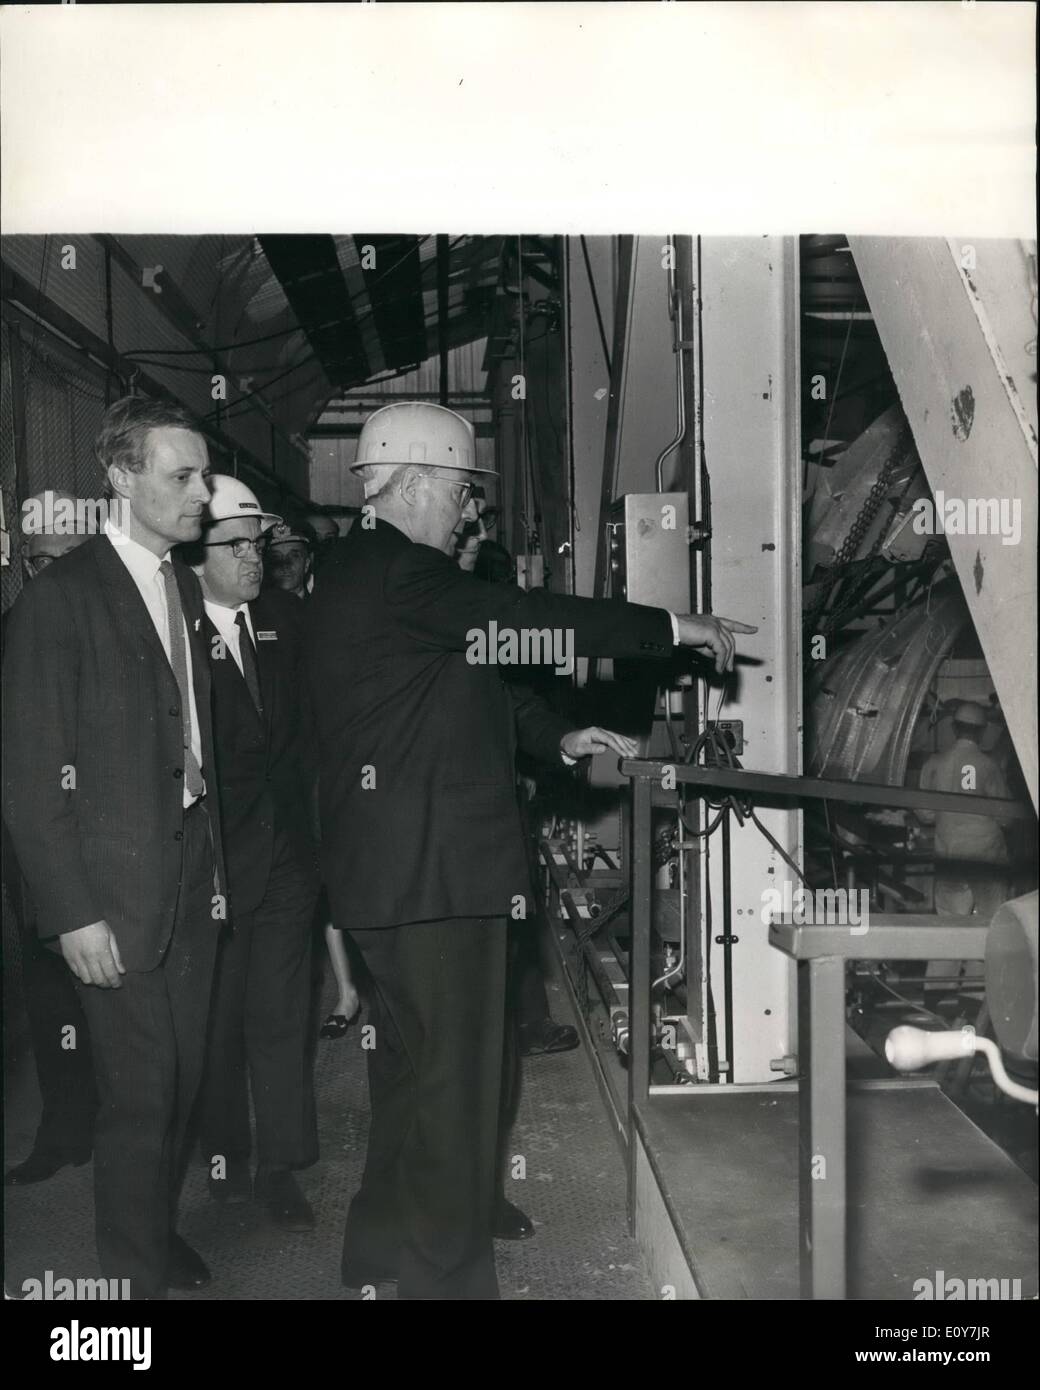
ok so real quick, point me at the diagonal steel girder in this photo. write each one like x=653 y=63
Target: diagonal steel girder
x=953 y=319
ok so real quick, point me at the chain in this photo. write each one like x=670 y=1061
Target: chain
x=871 y=506
x=862 y=524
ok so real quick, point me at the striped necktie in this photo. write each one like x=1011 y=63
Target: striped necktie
x=179 y=662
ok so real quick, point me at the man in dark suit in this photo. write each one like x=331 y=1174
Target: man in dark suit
x=265 y=779
x=422 y=840
x=108 y=747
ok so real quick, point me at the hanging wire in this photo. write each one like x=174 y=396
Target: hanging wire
x=675 y=314
x=595 y=305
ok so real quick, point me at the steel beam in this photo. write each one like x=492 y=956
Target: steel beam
x=748 y=342
x=821 y=1128
x=900 y=936
x=773 y=784
x=641 y=860
x=954 y=320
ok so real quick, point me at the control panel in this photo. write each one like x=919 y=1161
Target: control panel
x=649 y=551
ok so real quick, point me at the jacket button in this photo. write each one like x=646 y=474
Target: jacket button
x=178 y=834
x=178 y=772
x=174 y=711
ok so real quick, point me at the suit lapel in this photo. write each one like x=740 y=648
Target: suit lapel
x=231 y=677
x=132 y=617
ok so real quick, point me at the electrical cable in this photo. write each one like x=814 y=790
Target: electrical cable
x=595 y=306
x=675 y=314
x=779 y=848
x=216 y=347
x=837 y=383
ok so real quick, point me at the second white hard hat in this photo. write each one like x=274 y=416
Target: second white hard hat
x=229 y=497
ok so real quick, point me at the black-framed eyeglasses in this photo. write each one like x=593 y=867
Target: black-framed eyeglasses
x=241 y=546
x=467 y=490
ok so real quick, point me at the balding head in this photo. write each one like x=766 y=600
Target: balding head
x=50 y=528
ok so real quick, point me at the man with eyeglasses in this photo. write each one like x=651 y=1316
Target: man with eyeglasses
x=422 y=840
x=261 y=996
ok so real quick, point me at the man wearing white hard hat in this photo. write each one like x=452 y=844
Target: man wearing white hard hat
x=422 y=840
x=968 y=849
x=261 y=996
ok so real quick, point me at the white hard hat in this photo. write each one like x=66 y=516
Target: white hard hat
x=417 y=432
x=231 y=498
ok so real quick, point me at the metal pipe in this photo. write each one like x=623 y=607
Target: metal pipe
x=727 y=945
x=779 y=784
x=675 y=314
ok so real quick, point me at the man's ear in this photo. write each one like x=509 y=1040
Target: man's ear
x=409 y=483
x=118 y=480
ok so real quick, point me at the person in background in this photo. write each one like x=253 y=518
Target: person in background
x=108 y=747
x=326 y=533
x=324 y=528
x=57 y=1026
x=289 y=561
x=347 y=1008
x=265 y=776
x=970 y=851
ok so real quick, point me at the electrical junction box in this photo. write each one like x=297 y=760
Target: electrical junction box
x=649 y=551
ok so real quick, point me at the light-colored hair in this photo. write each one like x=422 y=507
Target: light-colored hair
x=370 y=474
x=122 y=441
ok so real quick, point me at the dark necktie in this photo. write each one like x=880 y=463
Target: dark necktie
x=179 y=662
x=250 y=665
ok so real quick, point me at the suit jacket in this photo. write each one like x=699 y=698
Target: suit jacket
x=417 y=745
x=265 y=768
x=93 y=751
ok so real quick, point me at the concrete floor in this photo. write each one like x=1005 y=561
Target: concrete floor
x=574 y=1191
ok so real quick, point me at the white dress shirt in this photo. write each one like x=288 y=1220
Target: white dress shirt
x=224 y=620
x=143 y=567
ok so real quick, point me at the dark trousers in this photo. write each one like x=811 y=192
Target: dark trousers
x=259 y=1027
x=434 y=1072
x=61 y=1048
x=526 y=971
x=147 y=1039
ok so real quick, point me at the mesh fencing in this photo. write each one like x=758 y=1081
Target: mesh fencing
x=63 y=404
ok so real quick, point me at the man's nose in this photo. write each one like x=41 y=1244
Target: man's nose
x=469 y=512
x=201 y=491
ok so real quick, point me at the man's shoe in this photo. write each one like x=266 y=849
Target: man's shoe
x=235 y=1186
x=38 y=1167
x=286 y=1204
x=547 y=1036
x=185 y=1268
x=510 y=1223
